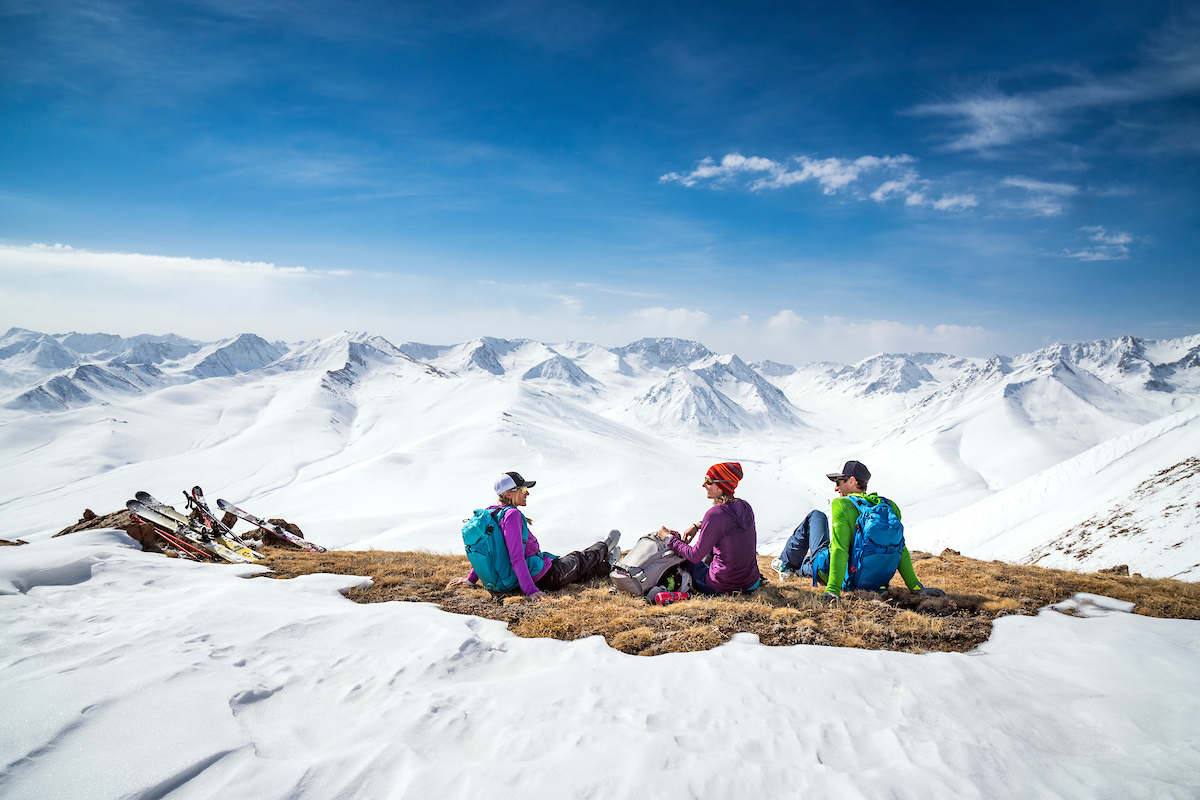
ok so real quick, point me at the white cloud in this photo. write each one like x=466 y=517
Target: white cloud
x=731 y=165
x=669 y=321
x=955 y=202
x=614 y=290
x=39 y=259
x=894 y=187
x=992 y=119
x=1099 y=233
x=1109 y=245
x=832 y=174
x=1040 y=187
x=789 y=337
x=785 y=321
x=572 y=304
x=1046 y=198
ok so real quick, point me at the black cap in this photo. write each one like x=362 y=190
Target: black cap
x=852 y=469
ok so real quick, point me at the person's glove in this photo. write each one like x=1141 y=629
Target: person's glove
x=931 y=591
x=829 y=600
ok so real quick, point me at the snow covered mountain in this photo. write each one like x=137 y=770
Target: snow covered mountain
x=241 y=354
x=973 y=449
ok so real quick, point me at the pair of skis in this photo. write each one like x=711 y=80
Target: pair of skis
x=199 y=537
x=276 y=530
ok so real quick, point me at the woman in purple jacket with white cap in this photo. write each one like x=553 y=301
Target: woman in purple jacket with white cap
x=537 y=570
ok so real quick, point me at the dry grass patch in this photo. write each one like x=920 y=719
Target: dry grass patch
x=779 y=614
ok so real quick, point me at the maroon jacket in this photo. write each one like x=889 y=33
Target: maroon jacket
x=727 y=531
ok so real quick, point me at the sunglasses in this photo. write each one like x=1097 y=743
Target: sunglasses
x=523 y=489
x=840 y=481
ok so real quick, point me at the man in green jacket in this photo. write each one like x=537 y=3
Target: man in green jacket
x=813 y=535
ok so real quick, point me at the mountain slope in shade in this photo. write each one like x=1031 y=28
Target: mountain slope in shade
x=144 y=348
x=243 y=353
x=685 y=400
x=1155 y=528
x=1022 y=519
x=662 y=354
x=89 y=384
x=736 y=380
x=28 y=357
x=559 y=369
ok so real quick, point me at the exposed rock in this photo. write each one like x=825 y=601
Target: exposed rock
x=141 y=532
x=950 y=552
x=1119 y=569
x=12 y=542
x=290 y=527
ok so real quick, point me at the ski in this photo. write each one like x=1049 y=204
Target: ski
x=195 y=500
x=282 y=533
x=199 y=526
x=183 y=548
x=154 y=504
x=181 y=530
x=169 y=530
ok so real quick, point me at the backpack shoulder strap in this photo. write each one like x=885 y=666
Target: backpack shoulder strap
x=860 y=502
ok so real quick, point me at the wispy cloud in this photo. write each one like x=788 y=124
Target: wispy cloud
x=1107 y=245
x=597 y=287
x=1040 y=187
x=41 y=258
x=955 y=202
x=670 y=321
x=831 y=173
x=757 y=173
x=1043 y=198
x=991 y=118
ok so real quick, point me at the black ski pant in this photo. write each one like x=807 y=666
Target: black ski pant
x=576 y=567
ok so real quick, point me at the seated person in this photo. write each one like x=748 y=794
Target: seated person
x=811 y=547
x=726 y=533
x=536 y=570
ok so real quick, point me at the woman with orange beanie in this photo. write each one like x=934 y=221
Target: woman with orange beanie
x=726 y=533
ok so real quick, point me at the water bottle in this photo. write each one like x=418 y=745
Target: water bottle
x=666 y=598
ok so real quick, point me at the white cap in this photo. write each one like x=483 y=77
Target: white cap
x=509 y=481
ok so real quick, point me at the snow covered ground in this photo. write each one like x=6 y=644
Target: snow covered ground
x=125 y=674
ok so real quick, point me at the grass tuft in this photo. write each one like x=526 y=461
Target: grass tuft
x=779 y=614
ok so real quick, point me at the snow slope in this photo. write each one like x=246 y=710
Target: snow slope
x=133 y=675
x=369 y=444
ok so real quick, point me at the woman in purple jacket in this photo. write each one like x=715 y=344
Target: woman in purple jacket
x=726 y=533
x=552 y=572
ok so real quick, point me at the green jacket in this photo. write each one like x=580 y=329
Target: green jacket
x=844 y=515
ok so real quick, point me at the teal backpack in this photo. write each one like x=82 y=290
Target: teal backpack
x=484 y=542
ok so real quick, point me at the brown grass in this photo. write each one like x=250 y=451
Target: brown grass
x=779 y=614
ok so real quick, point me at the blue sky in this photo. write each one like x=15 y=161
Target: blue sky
x=790 y=181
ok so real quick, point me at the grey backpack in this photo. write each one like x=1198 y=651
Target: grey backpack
x=644 y=568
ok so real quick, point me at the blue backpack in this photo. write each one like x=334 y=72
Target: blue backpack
x=875 y=550
x=484 y=542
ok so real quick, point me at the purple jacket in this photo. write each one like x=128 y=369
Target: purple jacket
x=510 y=526
x=727 y=531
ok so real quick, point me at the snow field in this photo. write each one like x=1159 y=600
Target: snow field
x=364 y=447
x=203 y=683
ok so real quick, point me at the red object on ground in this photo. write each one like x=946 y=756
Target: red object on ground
x=666 y=598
